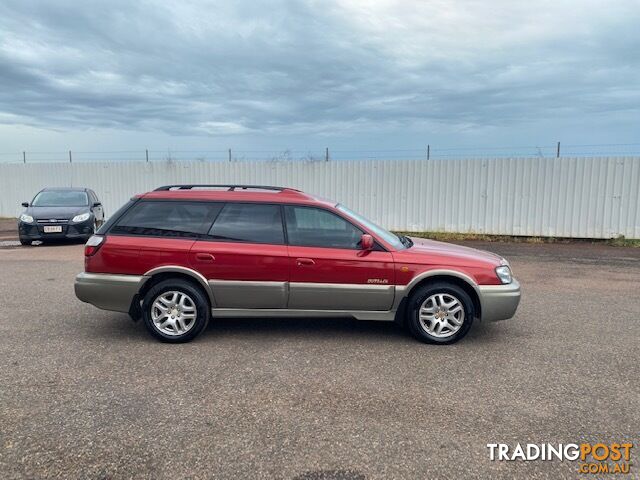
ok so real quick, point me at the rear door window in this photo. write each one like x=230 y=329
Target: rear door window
x=168 y=219
x=249 y=222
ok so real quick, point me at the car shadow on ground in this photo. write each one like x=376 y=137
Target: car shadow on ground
x=116 y=327
x=330 y=328
x=319 y=327
x=56 y=243
x=15 y=244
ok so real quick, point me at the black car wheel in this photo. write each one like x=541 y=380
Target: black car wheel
x=25 y=242
x=175 y=310
x=440 y=313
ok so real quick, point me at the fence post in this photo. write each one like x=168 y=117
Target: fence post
x=428 y=151
x=146 y=151
x=69 y=156
x=24 y=157
x=558 y=150
x=229 y=154
x=326 y=154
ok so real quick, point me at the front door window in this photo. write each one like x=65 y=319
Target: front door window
x=315 y=227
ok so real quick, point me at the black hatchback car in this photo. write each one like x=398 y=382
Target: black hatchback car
x=61 y=213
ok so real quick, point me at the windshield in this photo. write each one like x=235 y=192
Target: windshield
x=60 y=198
x=386 y=235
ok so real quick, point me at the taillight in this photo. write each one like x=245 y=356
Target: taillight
x=93 y=245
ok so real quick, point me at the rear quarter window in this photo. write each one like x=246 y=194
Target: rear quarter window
x=106 y=226
x=167 y=219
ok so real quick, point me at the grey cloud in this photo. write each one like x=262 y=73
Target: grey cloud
x=209 y=68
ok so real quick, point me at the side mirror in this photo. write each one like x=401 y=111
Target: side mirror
x=366 y=242
x=97 y=204
x=25 y=204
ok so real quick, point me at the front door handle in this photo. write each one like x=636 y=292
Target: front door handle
x=205 y=257
x=304 y=261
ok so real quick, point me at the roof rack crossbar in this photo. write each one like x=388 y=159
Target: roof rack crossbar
x=231 y=188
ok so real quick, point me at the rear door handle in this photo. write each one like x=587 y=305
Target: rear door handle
x=304 y=261
x=205 y=257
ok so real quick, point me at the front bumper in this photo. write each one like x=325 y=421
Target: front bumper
x=499 y=302
x=35 y=231
x=107 y=291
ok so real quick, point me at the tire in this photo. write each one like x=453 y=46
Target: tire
x=440 y=313
x=180 y=327
x=25 y=242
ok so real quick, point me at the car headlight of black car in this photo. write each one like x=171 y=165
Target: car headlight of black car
x=83 y=217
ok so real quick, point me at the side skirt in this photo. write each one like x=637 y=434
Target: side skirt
x=383 y=316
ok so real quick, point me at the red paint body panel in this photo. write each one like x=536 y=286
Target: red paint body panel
x=137 y=255
x=279 y=263
x=285 y=196
x=337 y=265
x=468 y=255
x=161 y=252
x=116 y=255
x=427 y=255
x=241 y=261
x=480 y=275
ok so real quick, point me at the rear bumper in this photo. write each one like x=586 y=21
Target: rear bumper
x=499 y=302
x=107 y=291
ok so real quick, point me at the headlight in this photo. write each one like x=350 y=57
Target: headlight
x=504 y=274
x=81 y=218
x=26 y=218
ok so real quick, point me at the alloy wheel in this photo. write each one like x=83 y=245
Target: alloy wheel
x=173 y=313
x=441 y=315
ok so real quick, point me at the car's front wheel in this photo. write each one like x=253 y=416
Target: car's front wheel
x=175 y=311
x=440 y=313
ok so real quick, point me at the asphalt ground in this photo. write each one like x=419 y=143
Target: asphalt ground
x=8 y=229
x=86 y=393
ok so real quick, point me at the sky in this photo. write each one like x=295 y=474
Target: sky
x=352 y=75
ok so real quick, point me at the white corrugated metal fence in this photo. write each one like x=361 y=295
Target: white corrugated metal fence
x=566 y=197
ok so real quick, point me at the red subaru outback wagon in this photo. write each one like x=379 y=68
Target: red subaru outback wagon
x=181 y=254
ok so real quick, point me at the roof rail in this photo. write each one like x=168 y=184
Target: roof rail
x=230 y=188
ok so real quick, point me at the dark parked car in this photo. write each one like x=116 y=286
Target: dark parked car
x=61 y=213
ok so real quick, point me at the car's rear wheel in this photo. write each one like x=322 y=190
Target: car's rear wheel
x=440 y=313
x=175 y=310
x=25 y=242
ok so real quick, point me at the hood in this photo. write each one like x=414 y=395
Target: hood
x=465 y=255
x=62 y=213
